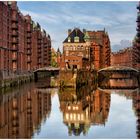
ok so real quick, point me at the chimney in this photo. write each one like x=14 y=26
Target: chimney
x=84 y=31
x=69 y=31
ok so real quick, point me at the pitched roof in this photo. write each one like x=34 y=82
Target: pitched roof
x=75 y=33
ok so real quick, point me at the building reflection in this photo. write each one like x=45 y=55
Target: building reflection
x=100 y=105
x=22 y=111
x=136 y=106
x=83 y=108
x=134 y=95
x=75 y=113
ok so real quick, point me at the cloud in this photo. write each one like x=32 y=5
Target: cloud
x=41 y=17
x=58 y=17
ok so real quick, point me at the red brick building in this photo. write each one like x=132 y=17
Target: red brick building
x=122 y=57
x=85 y=50
x=23 y=45
x=100 y=48
x=136 y=43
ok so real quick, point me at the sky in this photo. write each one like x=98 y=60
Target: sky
x=118 y=18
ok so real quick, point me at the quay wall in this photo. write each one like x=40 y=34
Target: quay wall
x=16 y=80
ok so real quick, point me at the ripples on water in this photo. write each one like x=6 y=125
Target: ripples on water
x=33 y=112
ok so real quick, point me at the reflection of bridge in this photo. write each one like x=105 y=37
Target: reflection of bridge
x=45 y=71
x=118 y=77
x=118 y=90
x=119 y=72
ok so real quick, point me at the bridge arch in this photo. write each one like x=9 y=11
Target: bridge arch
x=45 y=71
x=118 y=77
x=118 y=68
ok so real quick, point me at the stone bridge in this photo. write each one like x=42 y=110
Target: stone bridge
x=118 y=77
x=45 y=71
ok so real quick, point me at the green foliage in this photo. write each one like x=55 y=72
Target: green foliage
x=53 y=59
x=53 y=63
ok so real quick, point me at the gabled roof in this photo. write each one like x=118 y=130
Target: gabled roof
x=76 y=32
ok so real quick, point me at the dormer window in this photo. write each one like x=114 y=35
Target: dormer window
x=69 y=39
x=76 y=39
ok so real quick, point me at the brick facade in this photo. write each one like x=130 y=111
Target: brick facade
x=136 y=43
x=122 y=58
x=23 y=45
x=92 y=46
x=100 y=48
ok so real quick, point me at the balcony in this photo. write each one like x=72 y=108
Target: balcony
x=28 y=41
x=39 y=51
x=39 y=47
x=28 y=29
x=39 y=62
x=28 y=35
x=29 y=53
x=14 y=19
x=45 y=54
x=14 y=48
x=14 y=26
x=39 y=56
x=29 y=60
x=15 y=41
x=45 y=46
x=39 y=39
x=14 y=58
x=14 y=33
x=28 y=46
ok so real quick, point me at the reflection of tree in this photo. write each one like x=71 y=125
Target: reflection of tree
x=81 y=108
x=136 y=106
x=22 y=111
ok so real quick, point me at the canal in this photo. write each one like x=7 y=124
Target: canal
x=34 y=111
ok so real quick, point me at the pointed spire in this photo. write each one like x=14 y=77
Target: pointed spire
x=58 y=50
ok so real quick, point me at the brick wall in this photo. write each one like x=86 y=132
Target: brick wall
x=122 y=58
x=23 y=45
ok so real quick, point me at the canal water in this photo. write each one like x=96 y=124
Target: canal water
x=31 y=111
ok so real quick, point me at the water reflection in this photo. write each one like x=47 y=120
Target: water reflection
x=76 y=112
x=32 y=110
x=83 y=108
x=136 y=106
x=118 y=81
x=22 y=111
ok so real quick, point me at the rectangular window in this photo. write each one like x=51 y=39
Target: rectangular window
x=76 y=39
